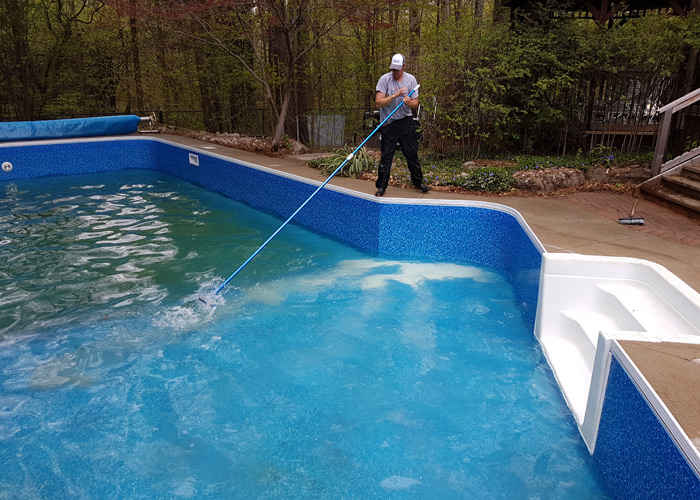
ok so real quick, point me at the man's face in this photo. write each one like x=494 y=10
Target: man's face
x=396 y=73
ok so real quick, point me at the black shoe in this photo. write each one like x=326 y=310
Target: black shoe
x=380 y=192
x=423 y=188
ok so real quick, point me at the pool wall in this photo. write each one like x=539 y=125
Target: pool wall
x=640 y=451
x=488 y=235
x=637 y=454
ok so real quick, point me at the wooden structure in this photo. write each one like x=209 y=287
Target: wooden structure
x=679 y=134
x=606 y=12
x=676 y=167
x=617 y=110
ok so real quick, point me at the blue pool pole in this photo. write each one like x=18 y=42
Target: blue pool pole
x=350 y=156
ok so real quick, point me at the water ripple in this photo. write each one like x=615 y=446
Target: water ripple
x=100 y=243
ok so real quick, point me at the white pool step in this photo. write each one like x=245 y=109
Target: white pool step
x=572 y=372
x=632 y=306
x=590 y=324
x=582 y=296
x=652 y=311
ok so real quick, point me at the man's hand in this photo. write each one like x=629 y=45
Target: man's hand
x=382 y=99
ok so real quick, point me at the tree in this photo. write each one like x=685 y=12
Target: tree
x=279 y=34
x=15 y=61
x=38 y=40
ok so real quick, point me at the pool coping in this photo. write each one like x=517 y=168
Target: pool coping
x=189 y=144
x=649 y=357
x=281 y=167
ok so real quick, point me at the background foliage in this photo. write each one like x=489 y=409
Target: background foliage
x=489 y=83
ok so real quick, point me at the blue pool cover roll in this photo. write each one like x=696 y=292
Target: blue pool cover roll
x=72 y=127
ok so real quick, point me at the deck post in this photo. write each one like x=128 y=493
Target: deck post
x=661 y=141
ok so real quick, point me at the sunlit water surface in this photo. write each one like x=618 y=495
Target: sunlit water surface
x=322 y=372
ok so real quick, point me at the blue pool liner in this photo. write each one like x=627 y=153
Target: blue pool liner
x=470 y=234
x=69 y=128
x=636 y=456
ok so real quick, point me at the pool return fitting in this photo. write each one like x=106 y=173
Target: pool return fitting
x=350 y=157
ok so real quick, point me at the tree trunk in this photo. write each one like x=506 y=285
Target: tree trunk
x=18 y=67
x=302 y=93
x=204 y=84
x=136 y=59
x=443 y=11
x=279 y=128
x=161 y=56
x=691 y=69
x=414 y=19
x=479 y=9
x=393 y=34
x=123 y=43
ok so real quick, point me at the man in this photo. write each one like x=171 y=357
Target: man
x=393 y=89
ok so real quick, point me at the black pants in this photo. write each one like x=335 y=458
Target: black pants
x=402 y=132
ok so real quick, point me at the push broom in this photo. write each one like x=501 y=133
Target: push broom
x=632 y=220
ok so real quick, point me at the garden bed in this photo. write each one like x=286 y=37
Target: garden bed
x=514 y=176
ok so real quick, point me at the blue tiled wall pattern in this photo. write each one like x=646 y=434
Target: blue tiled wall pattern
x=466 y=234
x=75 y=158
x=488 y=237
x=345 y=217
x=636 y=457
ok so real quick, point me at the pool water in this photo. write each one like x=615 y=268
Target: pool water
x=322 y=372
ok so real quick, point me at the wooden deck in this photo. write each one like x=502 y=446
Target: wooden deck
x=621 y=129
x=604 y=11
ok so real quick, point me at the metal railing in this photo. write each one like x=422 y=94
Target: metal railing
x=678 y=138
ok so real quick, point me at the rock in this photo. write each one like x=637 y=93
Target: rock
x=469 y=164
x=547 y=180
x=297 y=148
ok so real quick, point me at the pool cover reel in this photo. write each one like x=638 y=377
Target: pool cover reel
x=69 y=128
x=350 y=157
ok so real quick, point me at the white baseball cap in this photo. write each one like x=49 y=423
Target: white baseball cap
x=397 y=62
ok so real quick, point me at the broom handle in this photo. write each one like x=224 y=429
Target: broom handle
x=634 y=207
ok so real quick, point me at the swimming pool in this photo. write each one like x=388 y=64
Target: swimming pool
x=326 y=371
x=489 y=236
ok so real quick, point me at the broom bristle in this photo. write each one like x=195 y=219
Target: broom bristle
x=632 y=221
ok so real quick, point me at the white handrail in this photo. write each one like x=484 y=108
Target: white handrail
x=682 y=102
x=665 y=117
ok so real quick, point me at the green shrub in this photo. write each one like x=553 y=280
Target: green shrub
x=600 y=156
x=491 y=179
x=359 y=163
x=499 y=177
x=452 y=173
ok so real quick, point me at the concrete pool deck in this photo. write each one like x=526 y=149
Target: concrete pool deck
x=584 y=223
